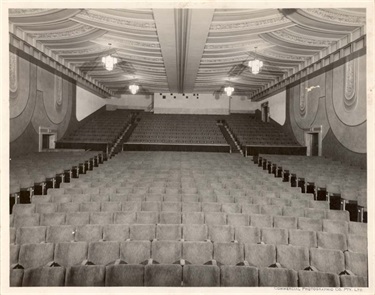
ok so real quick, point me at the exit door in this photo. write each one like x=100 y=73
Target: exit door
x=314 y=144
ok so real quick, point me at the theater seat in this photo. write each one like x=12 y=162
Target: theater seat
x=277 y=277
x=311 y=224
x=44 y=277
x=353 y=281
x=260 y=255
x=275 y=236
x=147 y=217
x=357 y=263
x=238 y=219
x=195 y=232
x=68 y=254
x=68 y=207
x=318 y=279
x=193 y=218
x=78 y=218
x=126 y=275
x=85 y=275
x=89 y=233
x=357 y=243
x=168 y=232
x=42 y=208
x=332 y=241
x=303 y=238
x=229 y=253
x=215 y=218
x=260 y=220
x=23 y=209
x=247 y=234
x=238 y=276
x=159 y=275
x=12 y=235
x=338 y=215
x=103 y=253
x=327 y=260
x=335 y=226
x=35 y=255
x=101 y=218
x=166 y=252
x=135 y=252
x=14 y=251
x=16 y=276
x=124 y=217
x=197 y=252
x=31 y=235
x=292 y=257
x=358 y=228
x=170 y=218
x=116 y=232
x=221 y=233
x=142 y=232
x=26 y=220
x=201 y=276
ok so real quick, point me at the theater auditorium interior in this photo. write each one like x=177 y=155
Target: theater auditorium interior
x=187 y=147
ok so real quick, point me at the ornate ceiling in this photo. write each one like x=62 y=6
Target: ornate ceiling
x=185 y=50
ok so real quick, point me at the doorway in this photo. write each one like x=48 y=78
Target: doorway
x=47 y=138
x=313 y=143
x=265 y=112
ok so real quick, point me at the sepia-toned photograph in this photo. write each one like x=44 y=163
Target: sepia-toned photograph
x=186 y=145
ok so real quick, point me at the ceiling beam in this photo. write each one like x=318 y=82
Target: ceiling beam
x=182 y=36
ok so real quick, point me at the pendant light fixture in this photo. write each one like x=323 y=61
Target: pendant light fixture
x=134 y=88
x=255 y=65
x=109 y=61
x=229 y=90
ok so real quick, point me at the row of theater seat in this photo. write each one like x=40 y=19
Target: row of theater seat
x=172 y=275
x=186 y=253
x=302 y=200
x=215 y=233
x=71 y=203
x=190 y=129
x=250 y=130
x=110 y=186
x=154 y=217
x=332 y=179
x=105 y=127
x=37 y=168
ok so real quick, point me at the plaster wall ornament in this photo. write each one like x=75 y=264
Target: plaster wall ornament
x=220 y=60
x=336 y=16
x=67 y=33
x=142 y=68
x=144 y=58
x=110 y=20
x=58 y=92
x=303 y=94
x=13 y=72
x=126 y=43
x=258 y=23
x=300 y=39
x=27 y=12
x=96 y=49
x=273 y=54
x=350 y=97
x=258 y=43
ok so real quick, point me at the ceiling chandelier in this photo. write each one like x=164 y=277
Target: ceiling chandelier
x=229 y=90
x=109 y=62
x=255 y=65
x=133 y=88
